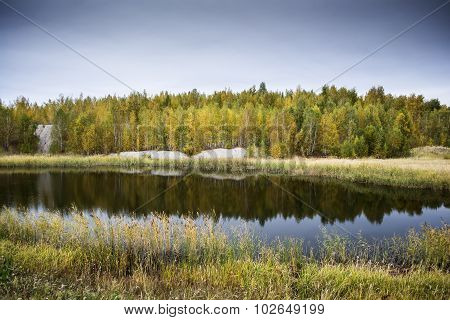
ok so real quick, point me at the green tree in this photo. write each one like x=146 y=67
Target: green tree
x=399 y=140
x=282 y=124
x=27 y=140
x=6 y=127
x=307 y=138
x=59 y=131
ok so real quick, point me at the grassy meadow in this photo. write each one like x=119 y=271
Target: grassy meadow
x=84 y=257
x=406 y=172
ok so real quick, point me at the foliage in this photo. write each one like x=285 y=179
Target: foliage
x=336 y=122
x=17 y=127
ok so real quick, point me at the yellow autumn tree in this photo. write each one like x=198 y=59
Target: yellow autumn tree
x=328 y=135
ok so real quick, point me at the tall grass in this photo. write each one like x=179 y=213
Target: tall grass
x=83 y=256
x=409 y=173
x=431 y=152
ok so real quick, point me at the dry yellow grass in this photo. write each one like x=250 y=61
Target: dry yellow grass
x=406 y=172
x=50 y=256
x=437 y=165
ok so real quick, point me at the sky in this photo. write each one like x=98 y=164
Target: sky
x=179 y=45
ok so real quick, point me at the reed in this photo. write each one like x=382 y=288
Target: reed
x=408 y=172
x=83 y=256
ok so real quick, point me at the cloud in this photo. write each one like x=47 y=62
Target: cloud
x=178 y=45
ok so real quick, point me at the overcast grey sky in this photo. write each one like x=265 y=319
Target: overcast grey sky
x=178 y=45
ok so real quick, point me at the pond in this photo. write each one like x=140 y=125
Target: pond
x=272 y=206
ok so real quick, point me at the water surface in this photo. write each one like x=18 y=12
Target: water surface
x=274 y=206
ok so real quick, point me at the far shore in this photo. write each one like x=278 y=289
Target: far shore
x=402 y=172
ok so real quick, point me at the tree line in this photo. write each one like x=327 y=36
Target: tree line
x=335 y=122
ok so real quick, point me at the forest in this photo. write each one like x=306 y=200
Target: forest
x=335 y=122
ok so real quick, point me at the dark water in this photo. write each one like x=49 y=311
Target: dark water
x=292 y=210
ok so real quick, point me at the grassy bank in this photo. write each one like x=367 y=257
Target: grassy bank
x=84 y=257
x=408 y=172
x=430 y=152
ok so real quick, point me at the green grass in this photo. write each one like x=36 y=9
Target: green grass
x=83 y=257
x=408 y=172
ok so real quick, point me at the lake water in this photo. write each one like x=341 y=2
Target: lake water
x=275 y=206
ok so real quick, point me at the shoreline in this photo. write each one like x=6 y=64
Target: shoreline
x=402 y=172
x=87 y=258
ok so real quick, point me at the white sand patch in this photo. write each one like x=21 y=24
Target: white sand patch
x=236 y=153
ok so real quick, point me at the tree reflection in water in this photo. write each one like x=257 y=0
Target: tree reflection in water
x=251 y=198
